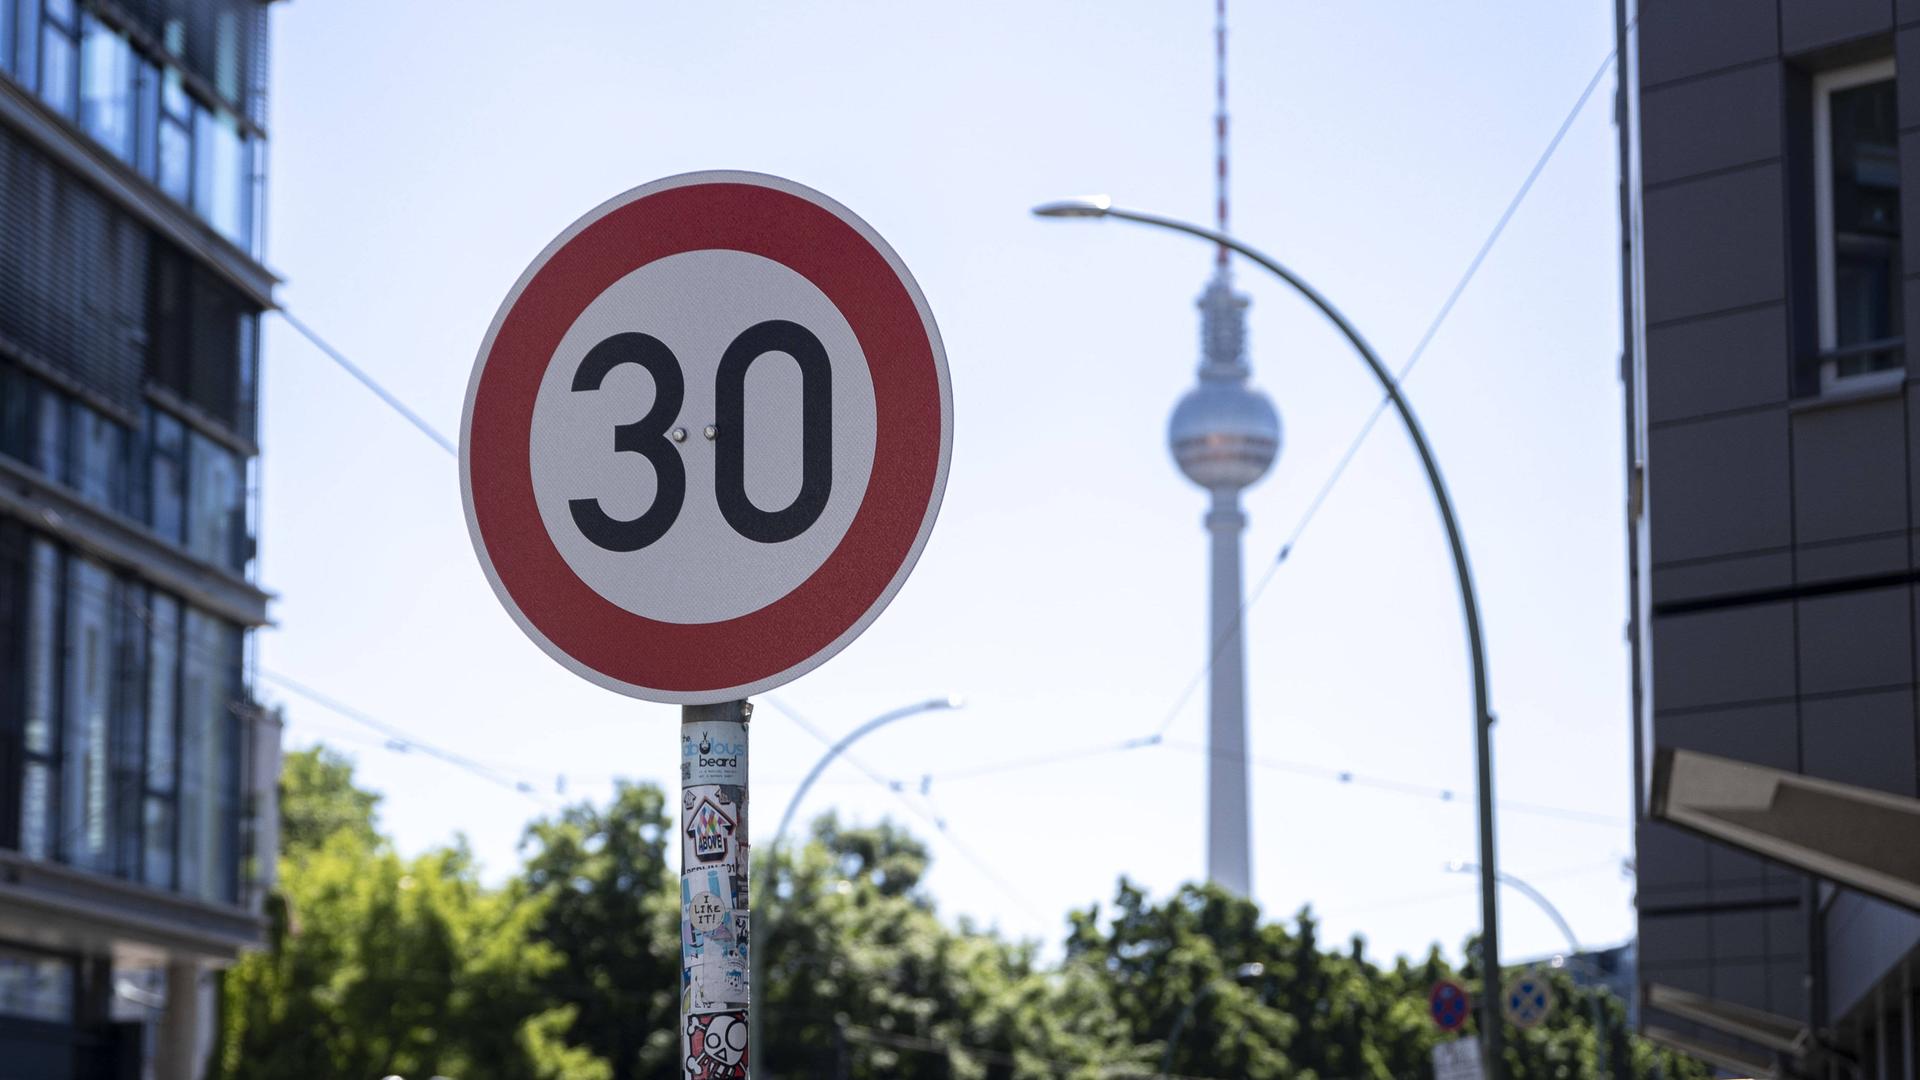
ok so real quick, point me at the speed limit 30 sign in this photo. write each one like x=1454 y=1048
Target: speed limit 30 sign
x=706 y=437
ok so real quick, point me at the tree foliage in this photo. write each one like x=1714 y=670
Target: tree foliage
x=378 y=964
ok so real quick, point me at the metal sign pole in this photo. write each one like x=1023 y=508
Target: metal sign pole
x=715 y=924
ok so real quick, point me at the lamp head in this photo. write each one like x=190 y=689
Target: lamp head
x=1081 y=206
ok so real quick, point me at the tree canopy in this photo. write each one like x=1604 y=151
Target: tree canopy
x=377 y=964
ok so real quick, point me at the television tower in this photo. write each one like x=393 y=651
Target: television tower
x=1224 y=435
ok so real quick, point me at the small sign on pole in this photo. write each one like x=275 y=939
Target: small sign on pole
x=1449 y=1004
x=1528 y=1000
x=1457 y=1059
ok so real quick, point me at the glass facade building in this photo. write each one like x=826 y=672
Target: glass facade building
x=136 y=770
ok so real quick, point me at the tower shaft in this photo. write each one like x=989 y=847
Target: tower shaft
x=1229 y=843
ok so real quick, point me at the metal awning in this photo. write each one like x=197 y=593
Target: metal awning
x=1857 y=837
x=1738 y=1062
x=1764 y=1029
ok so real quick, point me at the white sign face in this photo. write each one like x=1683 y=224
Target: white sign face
x=706 y=437
x=1457 y=1059
x=701 y=570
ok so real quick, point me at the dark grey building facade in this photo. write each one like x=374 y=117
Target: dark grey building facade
x=1771 y=155
x=136 y=772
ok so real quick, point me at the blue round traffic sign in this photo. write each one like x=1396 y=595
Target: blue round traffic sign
x=1528 y=1000
x=1449 y=1004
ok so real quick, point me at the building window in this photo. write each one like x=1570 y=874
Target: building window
x=176 y=138
x=26 y=37
x=166 y=475
x=85 y=787
x=133 y=708
x=59 y=58
x=36 y=986
x=1857 y=208
x=107 y=88
x=209 y=800
x=163 y=732
x=216 y=518
x=220 y=171
x=8 y=17
x=43 y=701
x=98 y=467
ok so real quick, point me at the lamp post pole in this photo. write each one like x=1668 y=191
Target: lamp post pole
x=1491 y=1032
x=757 y=972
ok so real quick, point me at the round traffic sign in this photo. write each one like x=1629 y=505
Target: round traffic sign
x=706 y=437
x=1449 y=1004
x=1528 y=999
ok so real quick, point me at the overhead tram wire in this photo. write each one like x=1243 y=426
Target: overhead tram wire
x=391 y=399
x=458 y=761
x=1304 y=768
x=1446 y=308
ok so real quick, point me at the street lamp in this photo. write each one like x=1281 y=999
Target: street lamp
x=1240 y=974
x=1462 y=866
x=1100 y=207
x=758 y=986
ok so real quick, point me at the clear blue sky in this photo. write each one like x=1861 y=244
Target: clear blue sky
x=421 y=158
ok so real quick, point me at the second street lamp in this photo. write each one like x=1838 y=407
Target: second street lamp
x=756 y=992
x=1100 y=207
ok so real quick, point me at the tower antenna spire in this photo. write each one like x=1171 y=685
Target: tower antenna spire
x=1220 y=123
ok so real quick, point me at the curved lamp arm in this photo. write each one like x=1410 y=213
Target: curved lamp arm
x=854 y=736
x=1100 y=206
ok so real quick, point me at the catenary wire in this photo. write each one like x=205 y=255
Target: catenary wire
x=1366 y=428
x=1446 y=308
x=391 y=399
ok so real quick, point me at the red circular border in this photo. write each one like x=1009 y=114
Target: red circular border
x=686 y=658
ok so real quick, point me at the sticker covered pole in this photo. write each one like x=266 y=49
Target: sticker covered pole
x=715 y=928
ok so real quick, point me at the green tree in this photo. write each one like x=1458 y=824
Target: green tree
x=865 y=981
x=1313 y=1013
x=610 y=911
x=378 y=965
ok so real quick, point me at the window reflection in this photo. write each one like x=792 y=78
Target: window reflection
x=209 y=767
x=175 y=175
x=167 y=474
x=107 y=88
x=1866 y=223
x=99 y=468
x=57 y=69
x=85 y=791
x=43 y=657
x=220 y=168
x=163 y=684
x=35 y=986
x=217 y=496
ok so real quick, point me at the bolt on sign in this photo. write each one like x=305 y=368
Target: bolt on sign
x=705 y=441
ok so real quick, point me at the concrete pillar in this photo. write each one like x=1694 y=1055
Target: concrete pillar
x=180 y=1049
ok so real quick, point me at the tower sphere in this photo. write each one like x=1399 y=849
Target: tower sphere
x=1224 y=434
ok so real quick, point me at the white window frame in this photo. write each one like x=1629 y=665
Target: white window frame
x=1824 y=86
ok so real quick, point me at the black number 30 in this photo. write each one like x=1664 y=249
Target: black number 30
x=648 y=436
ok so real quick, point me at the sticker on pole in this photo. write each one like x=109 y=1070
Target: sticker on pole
x=1449 y=1003
x=706 y=437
